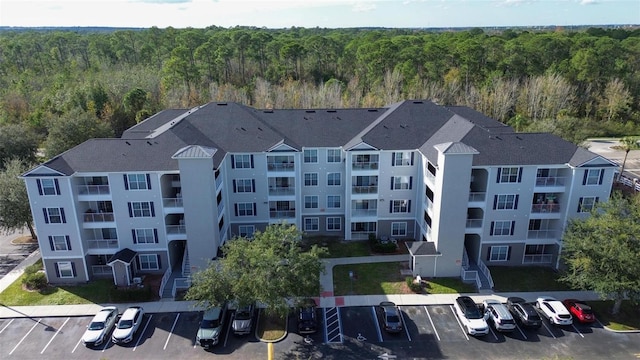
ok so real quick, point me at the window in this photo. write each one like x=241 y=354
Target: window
x=499 y=253
x=401 y=182
x=399 y=229
x=502 y=228
x=334 y=155
x=402 y=158
x=54 y=216
x=245 y=209
x=60 y=243
x=310 y=202
x=242 y=161
x=509 y=175
x=400 y=206
x=334 y=224
x=310 y=155
x=505 y=202
x=333 y=201
x=244 y=185
x=333 y=179
x=310 y=179
x=246 y=231
x=48 y=186
x=311 y=224
x=137 y=182
x=593 y=177
x=65 y=269
x=148 y=262
x=141 y=209
x=587 y=204
x=145 y=236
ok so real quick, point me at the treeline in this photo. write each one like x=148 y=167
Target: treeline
x=63 y=86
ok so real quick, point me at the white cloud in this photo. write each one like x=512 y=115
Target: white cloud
x=362 y=6
x=588 y=2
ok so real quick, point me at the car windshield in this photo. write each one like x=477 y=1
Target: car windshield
x=125 y=324
x=307 y=314
x=473 y=313
x=209 y=324
x=243 y=315
x=96 y=325
x=393 y=319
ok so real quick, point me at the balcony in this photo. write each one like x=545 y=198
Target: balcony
x=282 y=190
x=474 y=223
x=365 y=166
x=90 y=217
x=176 y=230
x=542 y=234
x=282 y=214
x=359 y=189
x=550 y=181
x=101 y=271
x=545 y=208
x=477 y=196
x=537 y=259
x=172 y=202
x=364 y=212
x=93 y=190
x=102 y=244
x=280 y=167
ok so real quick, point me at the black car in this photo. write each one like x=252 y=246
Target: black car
x=524 y=312
x=307 y=320
x=391 y=317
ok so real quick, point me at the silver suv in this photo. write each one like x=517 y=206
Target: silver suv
x=499 y=315
x=211 y=326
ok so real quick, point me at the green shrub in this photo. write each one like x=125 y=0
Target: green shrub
x=413 y=286
x=33 y=268
x=35 y=281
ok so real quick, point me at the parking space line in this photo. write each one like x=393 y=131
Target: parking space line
x=375 y=318
x=54 y=336
x=226 y=338
x=521 y=332
x=330 y=322
x=549 y=330
x=171 y=331
x=432 y=325
x=9 y=323
x=459 y=323
x=578 y=331
x=142 y=333
x=75 y=347
x=404 y=325
x=492 y=332
x=25 y=336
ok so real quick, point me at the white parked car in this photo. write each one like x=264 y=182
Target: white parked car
x=499 y=315
x=470 y=316
x=554 y=310
x=100 y=327
x=128 y=325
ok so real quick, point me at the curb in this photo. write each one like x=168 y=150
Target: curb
x=286 y=331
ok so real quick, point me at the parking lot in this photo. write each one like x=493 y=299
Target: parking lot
x=430 y=332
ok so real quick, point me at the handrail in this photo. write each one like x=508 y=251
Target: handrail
x=185 y=256
x=486 y=272
x=165 y=279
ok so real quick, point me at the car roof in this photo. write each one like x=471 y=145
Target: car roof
x=130 y=313
x=102 y=314
x=213 y=313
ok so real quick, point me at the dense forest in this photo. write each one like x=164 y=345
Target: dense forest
x=57 y=88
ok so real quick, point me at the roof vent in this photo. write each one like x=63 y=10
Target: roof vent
x=268 y=111
x=259 y=128
x=243 y=129
x=418 y=102
x=518 y=137
x=128 y=143
x=310 y=111
x=338 y=117
x=403 y=126
x=372 y=110
x=222 y=104
x=331 y=111
x=149 y=142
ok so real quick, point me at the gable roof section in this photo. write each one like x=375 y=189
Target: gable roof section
x=585 y=158
x=42 y=170
x=125 y=255
x=194 y=152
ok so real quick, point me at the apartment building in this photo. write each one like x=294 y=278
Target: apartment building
x=166 y=195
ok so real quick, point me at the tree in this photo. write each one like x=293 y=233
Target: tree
x=270 y=269
x=17 y=141
x=72 y=129
x=627 y=144
x=602 y=250
x=15 y=212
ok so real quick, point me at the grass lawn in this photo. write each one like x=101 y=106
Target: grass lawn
x=627 y=319
x=385 y=278
x=270 y=328
x=337 y=247
x=526 y=278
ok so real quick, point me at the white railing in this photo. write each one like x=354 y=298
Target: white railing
x=165 y=279
x=477 y=196
x=550 y=181
x=627 y=181
x=101 y=270
x=364 y=166
x=538 y=259
x=98 y=217
x=185 y=263
x=470 y=275
x=180 y=284
x=359 y=189
x=218 y=182
x=545 y=208
x=176 y=229
x=465 y=258
x=541 y=234
x=282 y=214
x=474 y=223
x=282 y=190
x=93 y=190
x=486 y=272
x=172 y=202
x=364 y=212
x=272 y=166
x=102 y=243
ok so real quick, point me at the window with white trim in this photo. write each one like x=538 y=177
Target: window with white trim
x=402 y=158
x=310 y=156
x=310 y=179
x=593 y=177
x=586 y=204
x=502 y=228
x=334 y=224
x=54 y=216
x=334 y=179
x=245 y=209
x=333 y=201
x=244 y=185
x=242 y=161
x=141 y=209
x=246 y=231
x=311 y=224
x=398 y=229
x=148 y=262
x=65 y=269
x=334 y=155
x=145 y=236
x=499 y=253
x=48 y=186
x=505 y=202
x=137 y=182
x=401 y=182
x=509 y=175
x=60 y=243
x=310 y=202
x=400 y=206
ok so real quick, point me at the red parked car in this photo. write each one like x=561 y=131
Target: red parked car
x=581 y=311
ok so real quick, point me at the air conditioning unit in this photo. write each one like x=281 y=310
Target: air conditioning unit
x=137 y=280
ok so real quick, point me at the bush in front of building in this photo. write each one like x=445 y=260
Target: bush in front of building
x=35 y=281
x=413 y=285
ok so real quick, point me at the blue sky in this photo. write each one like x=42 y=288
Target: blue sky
x=317 y=13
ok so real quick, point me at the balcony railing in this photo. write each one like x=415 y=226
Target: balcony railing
x=537 y=259
x=477 y=196
x=218 y=182
x=176 y=229
x=282 y=214
x=364 y=212
x=281 y=166
x=541 y=234
x=550 y=181
x=98 y=217
x=545 y=208
x=101 y=270
x=103 y=244
x=365 y=165
x=474 y=223
x=93 y=190
x=373 y=189
x=172 y=202
x=282 y=190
